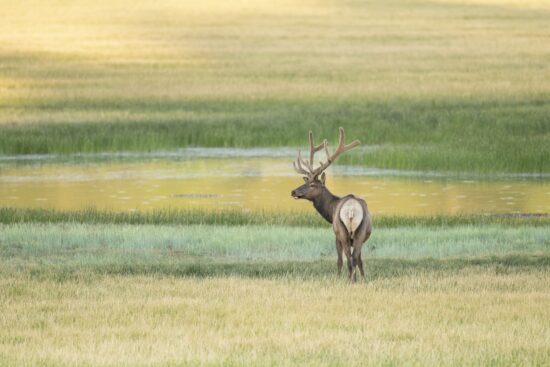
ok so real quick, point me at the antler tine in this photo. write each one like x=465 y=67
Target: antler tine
x=310 y=172
x=305 y=162
x=342 y=147
x=341 y=142
x=325 y=143
x=313 y=149
x=298 y=166
x=300 y=170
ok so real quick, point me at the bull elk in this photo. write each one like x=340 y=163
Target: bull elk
x=349 y=215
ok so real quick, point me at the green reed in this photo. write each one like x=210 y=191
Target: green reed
x=231 y=217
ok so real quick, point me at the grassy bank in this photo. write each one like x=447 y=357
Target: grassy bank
x=449 y=85
x=468 y=136
x=239 y=217
x=71 y=250
x=127 y=245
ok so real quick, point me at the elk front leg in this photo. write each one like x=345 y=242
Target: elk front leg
x=339 y=262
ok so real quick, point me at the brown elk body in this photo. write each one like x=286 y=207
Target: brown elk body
x=349 y=215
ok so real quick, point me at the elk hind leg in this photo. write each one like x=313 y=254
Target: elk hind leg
x=349 y=257
x=339 y=262
x=360 y=264
x=357 y=261
x=359 y=245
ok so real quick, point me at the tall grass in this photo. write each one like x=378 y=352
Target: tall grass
x=485 y=136
x=231 y=217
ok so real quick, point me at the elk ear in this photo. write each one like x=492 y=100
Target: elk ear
x=305 y=179
x=323 y=178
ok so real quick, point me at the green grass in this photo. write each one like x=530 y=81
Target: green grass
x=73 y=244
x=70 y=250
x=447 y=86
x=486 y=136
x=230 y=217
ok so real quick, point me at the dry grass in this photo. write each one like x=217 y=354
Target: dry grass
x=217 y=49
x=474 y=317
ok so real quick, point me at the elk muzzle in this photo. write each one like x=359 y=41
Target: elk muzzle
x=300 y=192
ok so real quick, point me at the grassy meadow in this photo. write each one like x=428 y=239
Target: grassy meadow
x=74 y=243
x=104 y=294
x=475 y=317
x=458 y=86
x=443 y=85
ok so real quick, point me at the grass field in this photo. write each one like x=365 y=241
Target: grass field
x=107 y=289
x=439 y=85
x=443 y=85
x=81 y=294
x=475 y=317
x=66 y=244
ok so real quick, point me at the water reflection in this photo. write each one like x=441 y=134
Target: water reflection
x=252 y=183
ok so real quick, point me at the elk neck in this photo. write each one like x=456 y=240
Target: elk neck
x=325 y=203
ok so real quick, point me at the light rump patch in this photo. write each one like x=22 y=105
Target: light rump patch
x=351 y=214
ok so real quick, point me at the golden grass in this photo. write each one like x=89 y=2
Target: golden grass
x=262 y=49
x=473 y=317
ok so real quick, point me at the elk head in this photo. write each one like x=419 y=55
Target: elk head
x=314 y=178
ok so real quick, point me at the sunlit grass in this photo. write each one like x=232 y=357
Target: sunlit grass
x=449 y=85
x=475 y=317
x=257 y=49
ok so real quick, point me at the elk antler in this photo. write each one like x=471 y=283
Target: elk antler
x=314 y=149
x=312 y=173
x=300 y=163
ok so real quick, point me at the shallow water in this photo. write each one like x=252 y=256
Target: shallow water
x=253 y=183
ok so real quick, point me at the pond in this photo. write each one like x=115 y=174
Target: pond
x=251 y=180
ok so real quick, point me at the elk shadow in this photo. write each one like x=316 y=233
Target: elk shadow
x=376 y=268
